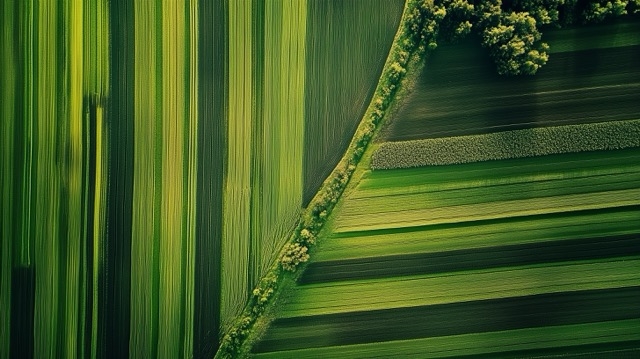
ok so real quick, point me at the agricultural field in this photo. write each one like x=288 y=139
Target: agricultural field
x=167 y=163
x=589 y=78
x=347 y=43
x=503 y=256
x=519 y=257
x=153 y=160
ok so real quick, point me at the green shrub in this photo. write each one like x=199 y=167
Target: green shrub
x=294 y=254
x=509 y=144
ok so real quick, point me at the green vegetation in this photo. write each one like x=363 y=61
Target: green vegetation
x=52 y=126
x=511 y=30
x=347 y=44
x=166 y=131
x=529 y=201
x=262 y=196
x=470 y=237
x=436 y=255
x=517 y=193
x=156 y=157
x=476 y=284
x=459 y=92
x=509 y=144
x=566 y=338
x=406 y=46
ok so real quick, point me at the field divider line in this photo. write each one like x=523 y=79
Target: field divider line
x=566 y=91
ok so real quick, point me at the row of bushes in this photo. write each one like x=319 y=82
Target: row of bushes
x=510 y=144
x=416 y=35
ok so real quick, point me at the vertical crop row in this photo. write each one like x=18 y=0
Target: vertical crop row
x=164 y=175
x=52 y=182
x=237 y=191
x=263 y=183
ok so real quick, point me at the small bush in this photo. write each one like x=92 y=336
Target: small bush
x=294 y=254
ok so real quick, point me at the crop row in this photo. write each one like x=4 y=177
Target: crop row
x=542 y=168
x=493 y=210
x=476 y=316
x=556 y=340
x=475 y=283
x=508 y=144
x=479 y=234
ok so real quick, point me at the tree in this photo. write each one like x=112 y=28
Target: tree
x=456 y=23
x=597 y=11
x=544 y=11
x=514 y=44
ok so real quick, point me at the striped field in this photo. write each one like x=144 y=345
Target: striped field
x=262 y=195
x=526 y=257
x=117 y=179
x=478 y=258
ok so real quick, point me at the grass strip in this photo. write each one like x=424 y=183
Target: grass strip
x=480 y=234
x=509 y=144
x=485 y=211
x=543 y=168
x=488 y=193
x=388 y=266
x=478 y=343
x=478 y=284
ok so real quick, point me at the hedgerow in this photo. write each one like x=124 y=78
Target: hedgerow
x=416 y=36
x=509 y=144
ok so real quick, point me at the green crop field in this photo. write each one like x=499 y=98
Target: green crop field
x=515 y=257
x=198 y=179
x=153 y=160
x=347 y=44
x=435 y=254
x=263 y=189
x=588 y=79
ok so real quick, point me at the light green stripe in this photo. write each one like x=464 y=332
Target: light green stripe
x=191 y=156
x=237 y=193
x=47 y=185
x=173 y=204
x=366 y=295
x=144 y=293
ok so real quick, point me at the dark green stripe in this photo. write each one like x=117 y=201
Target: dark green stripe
x=257 y=147
x=212 y=144
x=114 y=301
